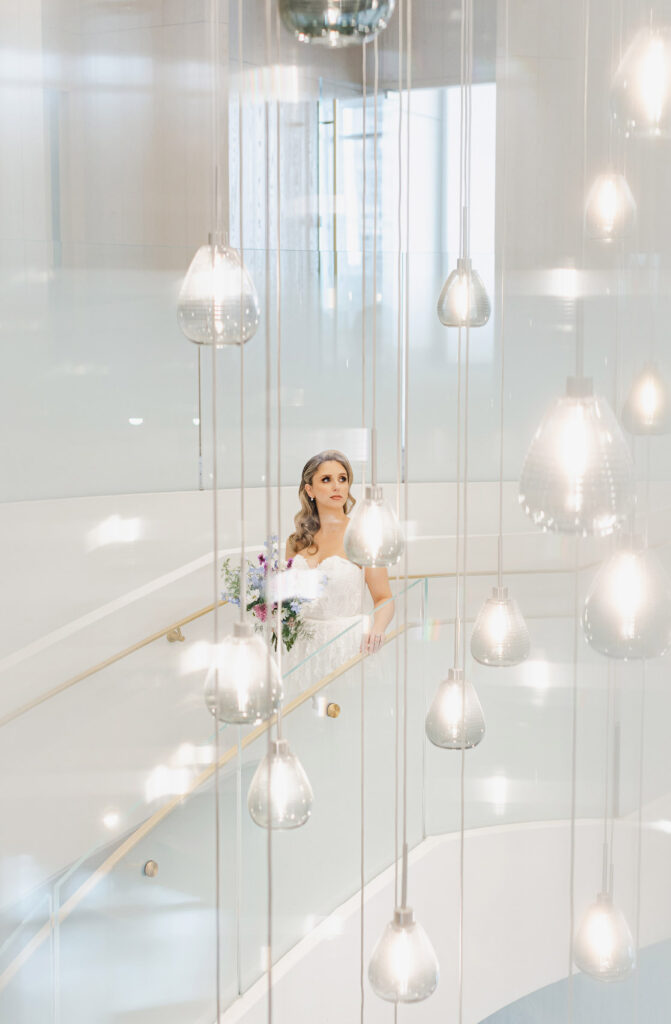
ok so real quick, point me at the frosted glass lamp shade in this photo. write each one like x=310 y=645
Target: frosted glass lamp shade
x=627 y=611
x=647 y=409
x=603 y=946
x=577 y=476
x=500 y=636
x=336 y=22
x=455 y=719
x=464 y=298
x=373 y=536
x=641 y=90
x=610 y=212
x=218 y=304
x=281 y=776
x=404 y=966
x=243 y=686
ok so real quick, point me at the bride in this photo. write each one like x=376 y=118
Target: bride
x=335 y=616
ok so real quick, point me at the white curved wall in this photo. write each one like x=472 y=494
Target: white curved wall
x=516 y=933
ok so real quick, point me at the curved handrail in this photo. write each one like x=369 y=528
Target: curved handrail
x=110 y=862
x=23 y=709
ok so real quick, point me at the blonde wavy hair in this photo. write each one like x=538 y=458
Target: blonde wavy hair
x=306 y=519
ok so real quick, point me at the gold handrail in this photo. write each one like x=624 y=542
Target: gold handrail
x=94 y=879
x=139 y=644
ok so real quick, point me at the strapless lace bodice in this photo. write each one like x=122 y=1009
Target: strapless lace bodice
x=340 y=594
x=334 y=619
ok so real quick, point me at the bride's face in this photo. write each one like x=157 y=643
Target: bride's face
x=330 y=486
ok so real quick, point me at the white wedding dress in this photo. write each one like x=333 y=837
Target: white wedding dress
x=334 y=619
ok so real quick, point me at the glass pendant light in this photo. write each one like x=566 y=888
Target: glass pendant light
x=641 y=91
x=281 y=776
x=449 y=722
x=647 y=409
x=373 y=536
x=500 y=636
x=464 y=299
x=603 y=946
x=627 y=611
x=610 y=212
x=578 y=474
x=336 y=22
x=218 y=304
x=249 y=688
x=404 y=966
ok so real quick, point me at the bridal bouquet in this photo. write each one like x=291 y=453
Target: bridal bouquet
x=265 y=579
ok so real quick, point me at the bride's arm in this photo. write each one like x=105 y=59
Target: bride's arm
x=377 y=581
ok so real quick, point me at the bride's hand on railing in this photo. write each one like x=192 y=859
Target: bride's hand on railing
x=371 y=642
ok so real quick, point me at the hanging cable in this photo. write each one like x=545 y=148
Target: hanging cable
x=399 y=440
x=216 y=215
x=502 y=305
x=362 y=679
x=268 y=356
x=278 y=354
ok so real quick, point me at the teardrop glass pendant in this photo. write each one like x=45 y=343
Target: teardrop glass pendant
x=373 y=536
x=281 y=778
x=627 y=611
x=403 y=967
x=603 y=946
x=610 y=212
x=500 y=637
x=464 y=298
x=647 y=409
x=336 y=22
x=218 y=304
x=577 y=476
x=243 y=687
x=455 y=719
x=641 y=90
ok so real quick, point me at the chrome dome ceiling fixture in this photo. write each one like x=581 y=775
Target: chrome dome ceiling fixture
x=627 y=611
x=336 y=22
x=577 y=476
x=641 y=90
x=647 y=409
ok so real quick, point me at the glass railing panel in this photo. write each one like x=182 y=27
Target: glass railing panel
x=28 y=961
x=317 y=867
x=521 y=770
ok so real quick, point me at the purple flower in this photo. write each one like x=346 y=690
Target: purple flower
x=260 y=611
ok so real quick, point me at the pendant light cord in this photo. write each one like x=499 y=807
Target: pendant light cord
x=467 y=59
x=399 y=444
x=278 y=352
x=574 y=762
x=639 y=842
x=243 y=529
x=502 y=307
x=580 y=326
x=268 y=355
x=406 y=405
x=216 y=72
x=376 y=82
x=362 y=680
x=606 y=800
x=243 y=535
